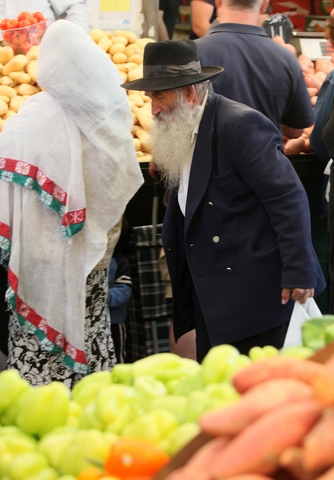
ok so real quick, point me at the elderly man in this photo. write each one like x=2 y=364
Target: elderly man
x=237 y=228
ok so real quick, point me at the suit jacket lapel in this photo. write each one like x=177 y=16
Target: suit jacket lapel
x=202 y=160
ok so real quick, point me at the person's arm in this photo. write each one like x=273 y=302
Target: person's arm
x=120 y=290
x=74 y=11
x=162 y=29
x=291 y=132
x=201 y=13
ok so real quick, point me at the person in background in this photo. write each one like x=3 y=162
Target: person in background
x=62 y=198
x=328 y=138
x=119 y=293
x=72 y=10
x=167 y=16
x=237 y=230
x=203 y=13
x=257 y=71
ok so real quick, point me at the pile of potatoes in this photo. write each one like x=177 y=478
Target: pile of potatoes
x=126 y=50
x=17 y=80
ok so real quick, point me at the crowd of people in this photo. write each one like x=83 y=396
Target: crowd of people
x=237 y=230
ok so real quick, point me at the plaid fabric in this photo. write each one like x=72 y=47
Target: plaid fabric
x=149 y=314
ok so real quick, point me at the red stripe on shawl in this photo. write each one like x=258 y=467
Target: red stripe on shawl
x=5 y=230
x=73 y=217
x=35 y=173
x=55 y=337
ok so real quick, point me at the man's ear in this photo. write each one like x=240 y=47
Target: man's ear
x=218 y=3
x=264 y=7
x=189 y=92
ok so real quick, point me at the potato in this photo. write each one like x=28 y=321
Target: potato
x=97 y=34
x=3 y=107
x=27 y=89
x=145 y=118
x=104 y=43
x=125 y=67
x=32 y=54
x=6 y=80
x=8 y=114
x=137 y=144
x=116 y=48
x=2 y=122
x=108 y=33
x=5 y=98
x=135 y=73
x=137 y=99
x=145 y=139
x=133 y=49
x=16 y=102
x=16 y=64
x=32 y=70
x=119 y=58
x=124 y=76
x=136 y=58
x=20 y=77
x=7 y=91
x=120 y=39
x=6 y=54
x=142 y=42
x=131 y=36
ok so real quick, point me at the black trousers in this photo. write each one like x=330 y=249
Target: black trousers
x=274 y=337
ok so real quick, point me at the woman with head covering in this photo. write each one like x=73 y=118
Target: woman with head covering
x=67 y=171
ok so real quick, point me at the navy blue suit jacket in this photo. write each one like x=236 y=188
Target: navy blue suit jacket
x=246 y=233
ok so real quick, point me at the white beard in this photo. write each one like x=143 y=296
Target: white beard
x=171 y=140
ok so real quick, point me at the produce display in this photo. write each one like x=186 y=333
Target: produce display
x=148 y=408
x=282 y=427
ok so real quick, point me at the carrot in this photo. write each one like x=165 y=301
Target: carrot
x=183 y=474
x=280 y=367
x=254 y=403
x=292 y=460
x=257 y=448
x=328 y=475
x=203 y=458
x=318 y=444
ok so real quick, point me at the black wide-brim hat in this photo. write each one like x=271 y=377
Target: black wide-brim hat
x=171 y=64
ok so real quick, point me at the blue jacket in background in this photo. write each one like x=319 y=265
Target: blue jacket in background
x=322 y=110
x=120 y=287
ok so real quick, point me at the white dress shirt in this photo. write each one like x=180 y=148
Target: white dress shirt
x=185 y=173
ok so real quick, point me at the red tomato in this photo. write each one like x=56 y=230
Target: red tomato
x=25 y=47
x=7 y=36
x=133 y=457
x=33 y=20
x=25 y=23
x=4 y=24
x=39 y=16
x=23 y=15
x=13 y=24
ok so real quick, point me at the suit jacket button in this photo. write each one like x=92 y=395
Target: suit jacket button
x=229 y=270
x=216 y=239
x=210 y=204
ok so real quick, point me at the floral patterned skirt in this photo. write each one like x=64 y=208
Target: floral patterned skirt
x=39 y=367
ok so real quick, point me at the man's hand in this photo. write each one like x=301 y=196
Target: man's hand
x=300 y=294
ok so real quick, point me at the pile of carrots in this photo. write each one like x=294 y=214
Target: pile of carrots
x=281 y=428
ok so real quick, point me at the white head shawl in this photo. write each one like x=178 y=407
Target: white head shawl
x=70 y=147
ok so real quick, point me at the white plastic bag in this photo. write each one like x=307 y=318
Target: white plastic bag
x=300 y=313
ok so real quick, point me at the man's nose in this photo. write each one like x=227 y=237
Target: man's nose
x=155 y=108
